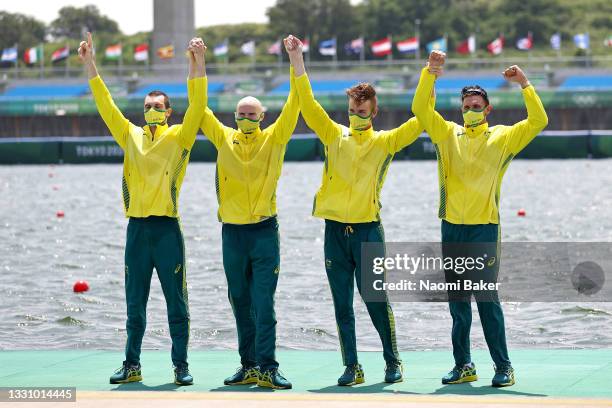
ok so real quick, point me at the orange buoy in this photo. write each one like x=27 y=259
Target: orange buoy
x=521 y=212
x=80 y=286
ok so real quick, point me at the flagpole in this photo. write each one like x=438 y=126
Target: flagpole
x=67 y=65
x=226 y=42
x=417 y=34
x=335 y=57
x=41 y=62
x=120 y=59
x=280 y=55
x=253 y=57
x=16 y=60
x=147 y=59
x=588 y=50
x=529 y=36
x=362 y=51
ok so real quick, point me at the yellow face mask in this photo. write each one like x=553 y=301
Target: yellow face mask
x=359 y=122
x=155 y=117
x=247 y=125
x=472 y=118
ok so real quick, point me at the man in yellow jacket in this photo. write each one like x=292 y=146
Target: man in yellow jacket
x=155 y=161
x=249 y=163
x=472 y=160
x=356 y=162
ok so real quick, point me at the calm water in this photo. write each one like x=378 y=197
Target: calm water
x=41 y=256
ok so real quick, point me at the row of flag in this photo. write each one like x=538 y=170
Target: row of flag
x=384 y=46
x=379 y=48
x=34 y=55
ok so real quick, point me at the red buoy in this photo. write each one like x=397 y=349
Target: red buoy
x=60 y=214
x=80 y=286
x=521 y=212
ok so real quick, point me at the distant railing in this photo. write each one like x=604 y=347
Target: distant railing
x=396 y=66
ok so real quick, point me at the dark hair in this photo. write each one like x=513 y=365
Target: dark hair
x=158 y=93
x=362 y=92
x=474 y=90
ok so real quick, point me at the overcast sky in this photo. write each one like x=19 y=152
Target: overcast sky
x=137 y=15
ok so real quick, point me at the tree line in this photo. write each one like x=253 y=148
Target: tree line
x=320 y=20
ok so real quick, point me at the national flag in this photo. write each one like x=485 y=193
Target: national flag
x=496 y=46
x=305 y=46
x=113 y=51
x=221 y=49
x=555 y=41
x=439 y=45
x=525 y=43
x=382 y=47
x=468 y=46
x=141 y=52
x=166 y=52
x=408 y=45
x=608 y=41
x=275 y=48
x=328 y=47
x=248 y=48
x=354 y=46
x=9 y=54
x=582 y=41
x=32 y=55
x=60 y=54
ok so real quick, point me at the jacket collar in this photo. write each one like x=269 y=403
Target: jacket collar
x=159 y=129
x=244 y=138
x=477 y=130
x=361 y=135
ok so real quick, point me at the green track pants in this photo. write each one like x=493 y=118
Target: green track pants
x=251 y=259
x=480 y=239
x=156 y=242
x=343 y=255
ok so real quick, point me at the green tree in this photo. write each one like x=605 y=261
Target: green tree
x=20 y=29
x=73 y=21
x=317 y=19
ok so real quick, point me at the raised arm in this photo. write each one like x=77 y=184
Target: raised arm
x=314 y=115
x=213 y=129
x=524 y=131
x=404 y=135
x=198 y=102
x=111 y=115
x=423 y=104
x=284 y=126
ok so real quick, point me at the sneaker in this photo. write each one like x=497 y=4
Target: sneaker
x=273 y=379
x=394 y=372
x=244 y=375
x=459 y=375
x=182 y=375
x=353 y=374
x=126 y=373
x=504 y=377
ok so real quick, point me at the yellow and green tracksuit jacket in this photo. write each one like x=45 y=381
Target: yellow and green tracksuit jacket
x=472 y=161
x=154 y=164
x=249 y=165
x=356 y=162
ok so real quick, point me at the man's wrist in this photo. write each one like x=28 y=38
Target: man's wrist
x=525 y=84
